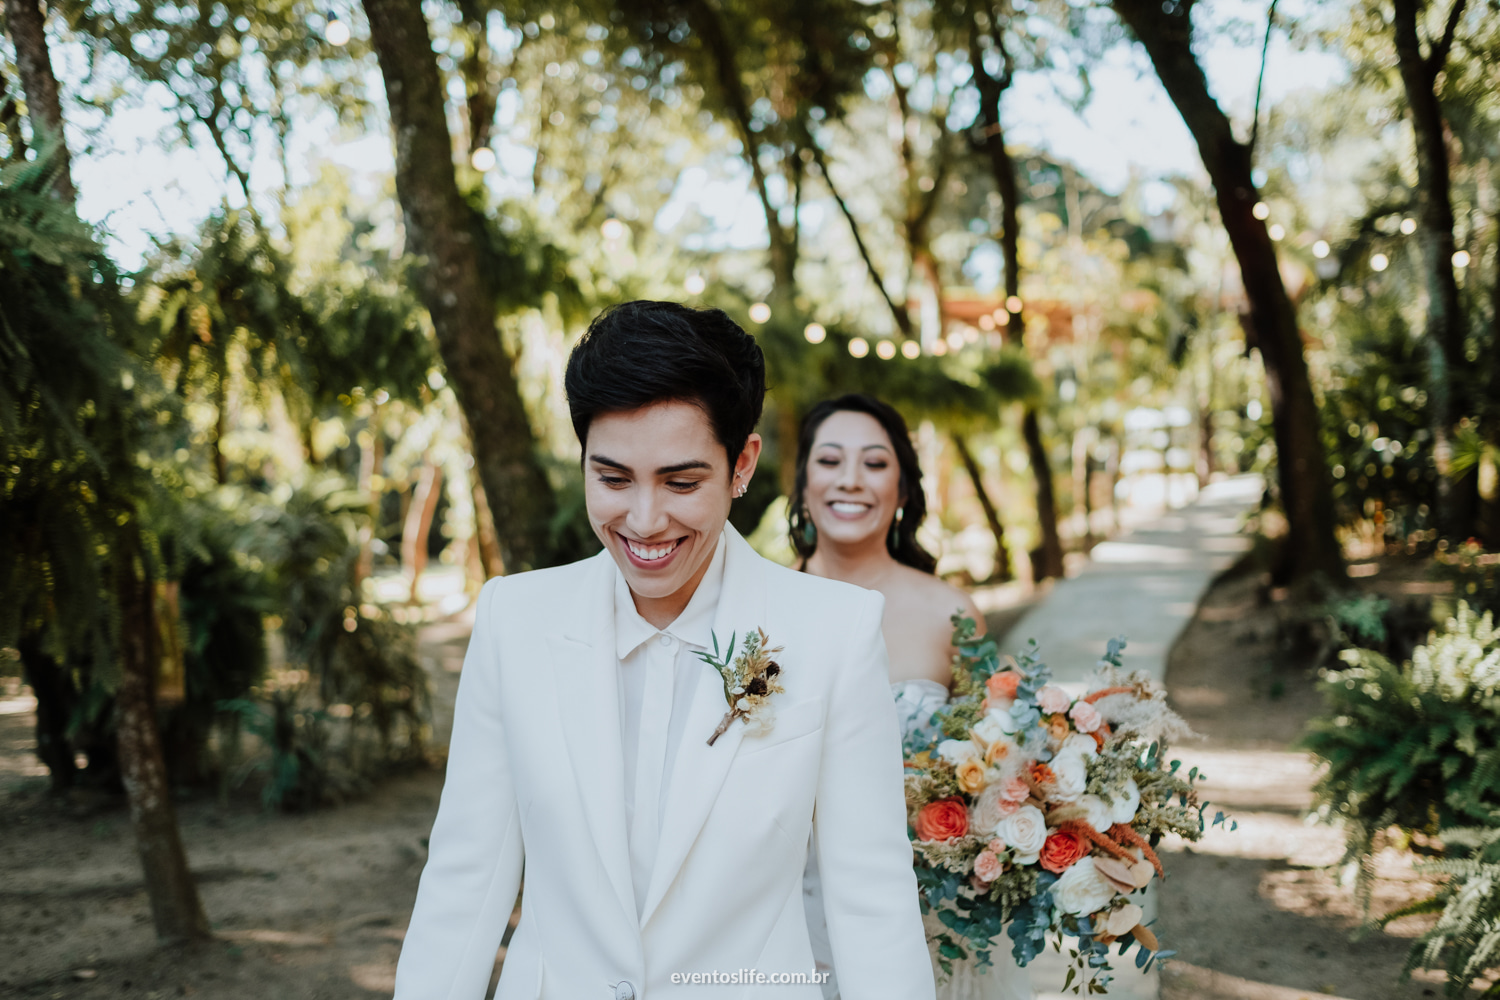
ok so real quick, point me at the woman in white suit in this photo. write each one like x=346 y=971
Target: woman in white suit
x=658 y=864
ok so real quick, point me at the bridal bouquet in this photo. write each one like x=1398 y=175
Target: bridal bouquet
x=1033 y=808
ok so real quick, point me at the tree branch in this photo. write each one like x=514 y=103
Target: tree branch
x=903 y=321
x=1438 y=56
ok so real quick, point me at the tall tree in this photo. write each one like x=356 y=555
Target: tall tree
x=78 y=579
x=986 y=34
x=1166 y=32
x=1446 y=323
x=27 y=26
x=442 y=230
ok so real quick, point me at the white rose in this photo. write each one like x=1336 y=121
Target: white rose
x=1100 y=814
x=1025 y=830
x=1126 y=801
x=995 y=725
x=1080 y=744
x=989 y=809
x=1072 y=775
x=956 y=752
x=1081 y=890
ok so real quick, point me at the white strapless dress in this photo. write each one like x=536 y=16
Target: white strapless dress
x=916 y=700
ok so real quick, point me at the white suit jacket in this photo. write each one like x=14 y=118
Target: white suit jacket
x=535 y=781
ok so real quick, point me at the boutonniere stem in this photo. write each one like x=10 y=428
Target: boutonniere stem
x=750 y=679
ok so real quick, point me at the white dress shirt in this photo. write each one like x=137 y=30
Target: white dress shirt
x=660 y=671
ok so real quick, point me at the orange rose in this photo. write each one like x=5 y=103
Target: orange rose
x=943 y=819
x=1062 y=851
x=1003 y=684
x=1041 y=774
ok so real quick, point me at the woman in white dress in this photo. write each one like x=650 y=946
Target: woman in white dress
x=854 y=516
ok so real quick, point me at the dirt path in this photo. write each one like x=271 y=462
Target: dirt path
x=1258 y=914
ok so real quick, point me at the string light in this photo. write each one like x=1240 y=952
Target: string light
x=1013 y=304
x=336 y=31
x=939 y=347
x=1379 y=262
x=859 y=347
x=483 y=159
x=886 y=350
x=1461 y=259
x=760 y=312
x=1277 y=231
x=1320 y=249
x=1261 y=211
x=911 y=350
x=815 y=333
x=1408 y=226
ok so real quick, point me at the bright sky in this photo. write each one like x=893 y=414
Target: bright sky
x=136 y=188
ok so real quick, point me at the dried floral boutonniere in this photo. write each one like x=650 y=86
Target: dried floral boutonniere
x=749 y=681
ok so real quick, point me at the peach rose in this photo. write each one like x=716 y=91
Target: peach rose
x=943 y=819
x=971 y=775
x=1002 y=686
x=1062 y=851
x=1053 y=699
x=1086 y=717
x=987 y=866
x=1057 y=727
x=997 y=751
x=996 y=845
x=1016 y=790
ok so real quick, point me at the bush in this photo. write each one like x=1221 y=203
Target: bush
x=1465 y=941
x=1415 y=746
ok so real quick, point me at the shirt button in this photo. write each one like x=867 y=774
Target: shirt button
x=624 y=991
x=666 y=640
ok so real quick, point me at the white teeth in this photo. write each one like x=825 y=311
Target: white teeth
x=652 y=553
x=849 y=508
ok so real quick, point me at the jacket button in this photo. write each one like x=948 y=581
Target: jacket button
x=624 y=991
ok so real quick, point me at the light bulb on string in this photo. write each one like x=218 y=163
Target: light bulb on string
x=483 y=159
x=1379 y=262
x=886 y=350
x=815 y=333
x=1408 y=226
x=859 y=347
x=1261 y=211
x=1461 y=259
x=336 y=31
x=760 y=312
x=911 y=350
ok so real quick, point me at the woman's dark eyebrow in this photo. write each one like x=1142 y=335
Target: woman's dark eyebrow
x=697 y=463
x=665 y=470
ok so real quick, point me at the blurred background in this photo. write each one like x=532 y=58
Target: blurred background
x=287 y=289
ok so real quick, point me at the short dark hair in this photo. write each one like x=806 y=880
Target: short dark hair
x=901 y=539
x=639 y=353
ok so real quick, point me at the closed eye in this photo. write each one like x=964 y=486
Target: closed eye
x=613 y=481
x=683 y=487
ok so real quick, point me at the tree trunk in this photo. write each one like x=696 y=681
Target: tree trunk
x=490 y=561
x=1306 y=490
x=418 y=524
x=991 y=515
x=991 y=137
x=1047 y=561
x=1445 y=319
x=55 y=701
x=175 y=907
x=27 y=26
x=482 y=95
x=441 y=230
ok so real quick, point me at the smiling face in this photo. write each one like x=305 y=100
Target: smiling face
x=853 y=480
x=658 y=488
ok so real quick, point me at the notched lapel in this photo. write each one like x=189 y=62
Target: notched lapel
x=700 y=769
x=583 y=669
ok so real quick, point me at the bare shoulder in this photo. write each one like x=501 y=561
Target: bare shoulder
x=936 y=598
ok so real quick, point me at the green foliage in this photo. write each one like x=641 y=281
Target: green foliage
x=1417 y=745
x=1465 y=941
x=349 y=699
x=1474 y=572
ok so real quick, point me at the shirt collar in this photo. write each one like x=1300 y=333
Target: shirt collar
x=694 y=627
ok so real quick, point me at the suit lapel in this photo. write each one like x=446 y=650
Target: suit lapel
x=585 y=679
x=700 y=769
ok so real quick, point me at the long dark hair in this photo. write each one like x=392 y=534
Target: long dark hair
x=901 y=540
